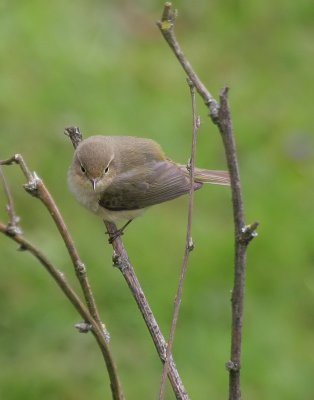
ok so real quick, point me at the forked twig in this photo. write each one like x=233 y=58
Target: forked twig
x=188 y=243
x=36 y=187
x=77 y=303
x=220 y=115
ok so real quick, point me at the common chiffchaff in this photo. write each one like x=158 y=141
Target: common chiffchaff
x=118 y=177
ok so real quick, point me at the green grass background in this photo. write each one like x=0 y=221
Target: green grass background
x=103 y=65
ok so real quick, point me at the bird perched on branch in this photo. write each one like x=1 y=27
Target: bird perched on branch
x=118 y=177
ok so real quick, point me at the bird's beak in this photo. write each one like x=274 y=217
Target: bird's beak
x=94 y=183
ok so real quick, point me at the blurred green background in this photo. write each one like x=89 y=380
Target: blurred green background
x=103 y=66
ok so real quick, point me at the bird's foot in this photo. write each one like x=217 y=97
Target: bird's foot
x=114 y=235
x=119 y=232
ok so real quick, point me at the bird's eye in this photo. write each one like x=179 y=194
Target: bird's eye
x=83 y=169
x=106 y=170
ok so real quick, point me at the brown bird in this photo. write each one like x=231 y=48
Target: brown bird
x=118 y=177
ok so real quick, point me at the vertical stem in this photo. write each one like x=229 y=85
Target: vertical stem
x=234 y=364
x=188 y=244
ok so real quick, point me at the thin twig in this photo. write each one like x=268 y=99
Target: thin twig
x=13 y=226
x=75 y=135
x=243 y=234
x=36 y=187
x=188 y=243
x=166 y=26
x=61 y=281
x=121 y=260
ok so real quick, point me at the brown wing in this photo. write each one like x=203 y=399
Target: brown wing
x=163 y=181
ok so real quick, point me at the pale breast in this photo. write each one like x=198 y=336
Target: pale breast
x=90 y=200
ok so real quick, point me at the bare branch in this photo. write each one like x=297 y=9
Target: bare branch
x=18 y=159
x=13 y=226
x=188 y=244
x=166 y=26
x=36 y=187
x=74 y=133
x=220 y=115
x=121 y=260
x=59 y=278
x=243 y=235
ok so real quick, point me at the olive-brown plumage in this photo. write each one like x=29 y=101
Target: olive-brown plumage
x=117 y=177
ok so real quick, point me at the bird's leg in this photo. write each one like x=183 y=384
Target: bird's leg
x=118 y=232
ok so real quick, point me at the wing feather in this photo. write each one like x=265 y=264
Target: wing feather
x=163 y=181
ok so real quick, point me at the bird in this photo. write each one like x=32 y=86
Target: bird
x=119 y=177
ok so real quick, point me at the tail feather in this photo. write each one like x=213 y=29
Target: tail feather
x=209 y=176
